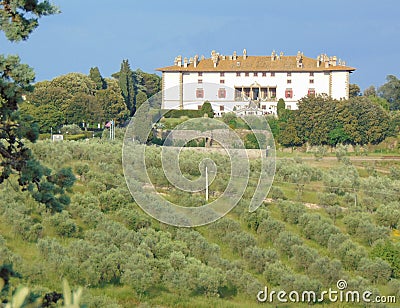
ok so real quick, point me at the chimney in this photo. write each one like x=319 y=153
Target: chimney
x=281 y=54
x=190 y=60
x=234 y=57
x=185 y=62
x=244 y=54
x=214 y=58
x=179 y=61
x=273 y=55
x=202 y=57
x=334 y=60
x=195 y=60
x=299 y=60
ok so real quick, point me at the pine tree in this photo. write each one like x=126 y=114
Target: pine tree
x=95 y=75
x=15 y=81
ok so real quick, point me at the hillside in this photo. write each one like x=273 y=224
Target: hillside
x=104 y=242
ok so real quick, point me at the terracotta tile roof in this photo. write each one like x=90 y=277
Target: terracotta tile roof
x=256 y=64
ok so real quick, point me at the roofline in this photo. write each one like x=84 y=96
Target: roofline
x=194 y=70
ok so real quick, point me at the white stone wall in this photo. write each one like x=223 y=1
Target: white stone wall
x=339 y=85
x=170 y=90
x=211 y=83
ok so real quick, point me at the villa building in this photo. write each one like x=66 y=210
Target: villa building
x=251 y=84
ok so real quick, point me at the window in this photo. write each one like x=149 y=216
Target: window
x=273 y=74
x=222 y=74
x=288 y=93
x=311 y=92
x=264 y=74
x=222 y=81
x=311 y=74
x=264 y=107
x=255 y=74
x=221 y=93
x=289 y=74
x=200 y=74
x=238 y=74
x=200 y=81
x=311 y=80
x=199 y=93
x=246 y=74
x=289 y=81
x=221 y=108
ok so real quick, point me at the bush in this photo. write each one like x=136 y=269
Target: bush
x=277 y=193
x=63 y=224
x=71 y=129
x=75 y=137
x=230 y=119
x=175 y=113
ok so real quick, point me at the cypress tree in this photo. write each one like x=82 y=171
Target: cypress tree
x=127 y=85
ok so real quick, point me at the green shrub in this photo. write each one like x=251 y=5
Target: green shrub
x=75 y=137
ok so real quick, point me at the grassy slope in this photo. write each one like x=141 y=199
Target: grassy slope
x=126 y=296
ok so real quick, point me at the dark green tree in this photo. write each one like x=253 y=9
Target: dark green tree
x=280 y=106
x=354 y=90
x=18 y=19
x=206 y=108
x=84 y=108
x=391 y=92
x=151 y=82
x=127 y=85
x=95 y=75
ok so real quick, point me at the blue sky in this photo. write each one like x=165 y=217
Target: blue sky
x=150 y=34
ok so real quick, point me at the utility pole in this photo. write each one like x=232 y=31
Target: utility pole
x=206 y=184
x=113 y=121
x=112 y=130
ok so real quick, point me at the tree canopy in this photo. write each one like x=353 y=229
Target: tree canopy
x=324 y=121
x=18 y=18
x=75 y=98
x=15 y=81
x=391 y=92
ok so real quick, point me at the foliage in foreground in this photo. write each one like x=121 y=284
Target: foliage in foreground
x=105 y=243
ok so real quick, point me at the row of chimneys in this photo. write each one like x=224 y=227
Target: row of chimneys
x=215 y=57
x=322 y=59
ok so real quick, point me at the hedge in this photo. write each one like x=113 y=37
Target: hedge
x=183 y=113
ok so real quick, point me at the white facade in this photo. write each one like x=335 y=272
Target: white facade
x=230 y=82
